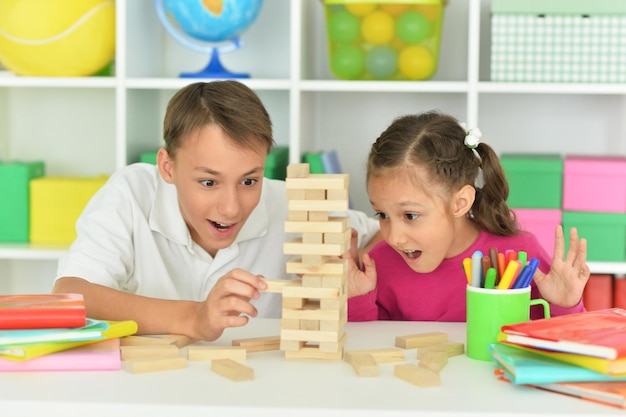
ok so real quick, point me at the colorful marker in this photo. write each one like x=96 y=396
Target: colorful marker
x=490 y=279
x=493 y=255
x=511 y=271
x=476 y=268
x=522 y=257
x=533 y=265
x=467 y=267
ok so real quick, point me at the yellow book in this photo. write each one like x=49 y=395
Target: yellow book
x=28 y=351
x=612 y=367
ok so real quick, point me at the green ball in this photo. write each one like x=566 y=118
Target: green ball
x=347 y=62
x=381 y=62
x=412 y=27
x=343 y=27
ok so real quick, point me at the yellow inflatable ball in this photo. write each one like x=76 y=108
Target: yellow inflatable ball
x=57 y=37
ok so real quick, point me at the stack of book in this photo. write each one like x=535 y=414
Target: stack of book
x=51 y=332
x=582 y=355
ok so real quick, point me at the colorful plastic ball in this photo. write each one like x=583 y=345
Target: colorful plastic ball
x=343 y=27
x=347 y=62
x=394 y=9
x=56 y=37
x=381 y=62
x=360 y=9
x=416 y=62
x=413 y=27
x=378 y=28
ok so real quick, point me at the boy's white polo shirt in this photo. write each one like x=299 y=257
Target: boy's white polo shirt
x=132 y=237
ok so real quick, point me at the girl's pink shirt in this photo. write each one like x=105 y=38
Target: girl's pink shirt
x=405 y=295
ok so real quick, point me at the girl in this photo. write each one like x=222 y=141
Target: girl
x=440 y=195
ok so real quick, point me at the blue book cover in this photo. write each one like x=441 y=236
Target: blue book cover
x=330 y=161
x=524 y=367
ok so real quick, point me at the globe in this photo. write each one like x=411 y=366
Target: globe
x=201 y=24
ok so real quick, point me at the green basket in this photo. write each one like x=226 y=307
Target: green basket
x=383 y=40
x=569 y=41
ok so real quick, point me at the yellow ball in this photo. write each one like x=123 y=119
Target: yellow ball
x=57 y=37
x=416 y=62
x=378 y=28
x=360 y=9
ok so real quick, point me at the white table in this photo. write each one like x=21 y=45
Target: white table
x=291 y=388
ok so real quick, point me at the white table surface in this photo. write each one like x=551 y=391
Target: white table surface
x=284 y=387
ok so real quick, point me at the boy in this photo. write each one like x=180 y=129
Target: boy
x=181 y=247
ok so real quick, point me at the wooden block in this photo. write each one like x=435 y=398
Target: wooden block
x=179 y=340
x=296 y=194
x=291 y=345
x=277 y=285
x=334 y=346
x=232 y=370
x=333 y=281
x=319 y=182
x=383 y=355
x=318 y=216
x=297 y=247
x=364 y=365
x=334 y=325
x=298 y=170
x=309 y=325
x=317 y=205
x=298 y=216
x=258 y=344
x=293 y=302
x=332 y=267
x=291 y=324
x=310 y=280
x=308 y=259
x=310 y=292
x=209 y=353
x=316 y=238
x=334 y=224
x=309 y=335
x=342 y=238
x=314 y=194
x=154 y=364
x=416 y=375
x=420 y=340
x=145 y=341
x=313 y=314
x=147 y=351
x=450 y=348
x=434 y=360
x=313 y=353
x=337 y=194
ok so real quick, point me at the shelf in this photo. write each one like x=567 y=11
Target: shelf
x=28 y=251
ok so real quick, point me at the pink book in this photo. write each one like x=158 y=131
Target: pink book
x=97 y=356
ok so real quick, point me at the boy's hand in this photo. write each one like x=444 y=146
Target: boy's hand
x=564 y=284
x=228 y=304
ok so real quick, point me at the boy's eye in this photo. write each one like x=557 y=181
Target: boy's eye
x=207 y=183
x=380 y=215
x=249 y=181
x=411 y=216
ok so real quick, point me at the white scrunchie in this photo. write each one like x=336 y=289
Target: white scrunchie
x=472 y=138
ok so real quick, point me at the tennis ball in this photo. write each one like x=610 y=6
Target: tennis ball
x=57 y=37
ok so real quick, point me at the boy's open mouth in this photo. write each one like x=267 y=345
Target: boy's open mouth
x=220 y=226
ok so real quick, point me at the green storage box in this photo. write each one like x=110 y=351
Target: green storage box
x=149 y=157
x=15 y=201
x=575 y=41
x=535 y=180
x=276 y=163
x=605 y=234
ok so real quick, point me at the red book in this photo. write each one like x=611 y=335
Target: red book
x=42 y=311
x=598 y=293
x=598 y=333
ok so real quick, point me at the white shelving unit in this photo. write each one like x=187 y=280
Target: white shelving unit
x=94 y=125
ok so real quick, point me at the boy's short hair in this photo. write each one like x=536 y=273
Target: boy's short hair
x=230 y=104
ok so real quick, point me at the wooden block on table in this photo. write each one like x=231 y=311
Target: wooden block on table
x=450 y=348
x=313 y=353
x=179 y=340
x=145 y=341
x=232 y=370
x=154 y=364
x=364 y=365
x=291 y=345
x=434 y=360
x=147 y=351
x=258 y=344
x=417 y=375
x=334 y=346
x=209 y=353
x=383 y=355
x=420 y=340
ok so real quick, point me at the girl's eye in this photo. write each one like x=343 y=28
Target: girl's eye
x=207 y=183
x=411 y=216
x=249 y=181
x=380 y=215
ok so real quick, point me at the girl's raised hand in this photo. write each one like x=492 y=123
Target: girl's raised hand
x=564 y=284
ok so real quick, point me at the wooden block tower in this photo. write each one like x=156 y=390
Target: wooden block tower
x=315 y=307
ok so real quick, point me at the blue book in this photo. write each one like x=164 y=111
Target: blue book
x=524 y=367
x=330 y=161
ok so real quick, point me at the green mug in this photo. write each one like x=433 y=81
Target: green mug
x=490 y=309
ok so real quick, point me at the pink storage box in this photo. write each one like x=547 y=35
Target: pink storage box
x=594 y=184
x=540 y=222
